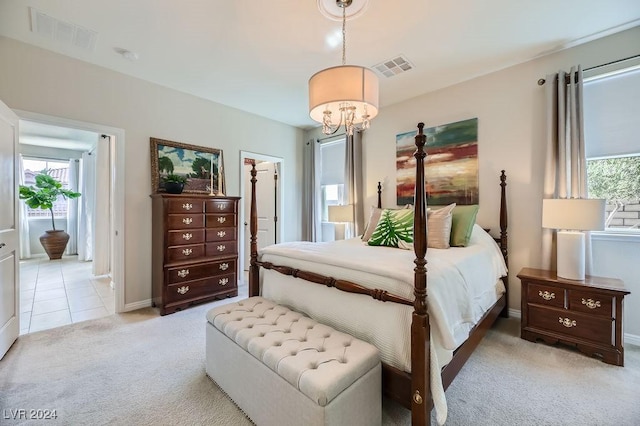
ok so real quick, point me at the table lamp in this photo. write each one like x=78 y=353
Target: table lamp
x=570 y=216
x=340 y=216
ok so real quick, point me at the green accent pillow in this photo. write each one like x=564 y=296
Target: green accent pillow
x=394 y=227
x=464 y=217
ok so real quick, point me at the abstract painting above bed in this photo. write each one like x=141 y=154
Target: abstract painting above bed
x=451 y=166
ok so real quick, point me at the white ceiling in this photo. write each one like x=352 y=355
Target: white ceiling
x=257 y=55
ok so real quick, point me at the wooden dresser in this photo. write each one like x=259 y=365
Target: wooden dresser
x=585 y=314
x=195 y=249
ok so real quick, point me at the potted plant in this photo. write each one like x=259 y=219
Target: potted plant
x=42 y=196
x=174 y=184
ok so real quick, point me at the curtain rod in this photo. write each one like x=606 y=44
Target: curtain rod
x=542 y=80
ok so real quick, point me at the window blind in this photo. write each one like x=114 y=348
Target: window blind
x=611 y=108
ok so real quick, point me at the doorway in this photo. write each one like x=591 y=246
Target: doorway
x=269 y=202
x=86 y=289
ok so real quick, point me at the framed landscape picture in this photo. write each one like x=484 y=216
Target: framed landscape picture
x=202 y=167
x=451 y=166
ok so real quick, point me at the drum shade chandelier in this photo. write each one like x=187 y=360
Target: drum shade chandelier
x=347 y=94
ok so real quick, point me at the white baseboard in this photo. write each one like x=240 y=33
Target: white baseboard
x=629 y=339
x=136 y=305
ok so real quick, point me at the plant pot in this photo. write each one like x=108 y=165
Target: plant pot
x=174 y=187
x=54 y=243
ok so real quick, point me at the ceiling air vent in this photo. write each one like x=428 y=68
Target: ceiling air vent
x=61 y=31
x=394 y=66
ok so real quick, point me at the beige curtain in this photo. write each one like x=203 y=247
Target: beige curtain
x=565 y=169
x=354 y=182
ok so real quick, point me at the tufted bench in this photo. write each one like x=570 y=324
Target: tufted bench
x=283 y=368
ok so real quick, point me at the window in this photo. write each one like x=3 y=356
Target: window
x=58 y=170
x=611 y=105
x=332 y=179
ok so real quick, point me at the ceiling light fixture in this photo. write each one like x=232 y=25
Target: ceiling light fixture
x=348 y=90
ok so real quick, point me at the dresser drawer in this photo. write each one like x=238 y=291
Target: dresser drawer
x=185 y=206
x=221 y=234
x=221 y=220
x=222 y=248
x=185 y=221
x=197 y=289
x=572 y=324
x=185 y=236
x=220 y=206
x=591 y=303
x=545 y=295
x=186 y=252
x=202 y=270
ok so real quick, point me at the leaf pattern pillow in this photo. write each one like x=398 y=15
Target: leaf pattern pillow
x=394 y=227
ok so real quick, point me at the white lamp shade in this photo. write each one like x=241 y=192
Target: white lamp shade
x=347 y=83
x=578 y=214
x=341 y=213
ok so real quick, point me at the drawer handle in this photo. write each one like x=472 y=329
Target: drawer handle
x=183 y=273
x=187 y=236
x=222 y=233
x=224 y=266
x=221 y=247
x=223 y=281
x=187 y=206
x=567 y=322
x=221 y=206
x=222 y=219
x=187 y=220
x=187 y=252
x=546 y=295
x=183 y=289
x=591 y=304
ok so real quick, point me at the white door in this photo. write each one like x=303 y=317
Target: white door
x=9 y=246
x=266 y=193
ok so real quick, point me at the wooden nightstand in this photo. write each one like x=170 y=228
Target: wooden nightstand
x=584 y=314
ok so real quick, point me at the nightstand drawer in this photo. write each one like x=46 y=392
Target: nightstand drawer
x=572 y=324
x=591 y=303
x=545 y=295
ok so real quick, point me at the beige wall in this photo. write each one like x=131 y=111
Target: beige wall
x=509 y=105
x=36 y=80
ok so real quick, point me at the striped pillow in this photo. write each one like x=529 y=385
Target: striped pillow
x=439 y=227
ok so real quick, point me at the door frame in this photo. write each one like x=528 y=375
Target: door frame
x=280 y=211
x=116 y=166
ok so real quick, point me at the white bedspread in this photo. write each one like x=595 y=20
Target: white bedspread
x=462 y=283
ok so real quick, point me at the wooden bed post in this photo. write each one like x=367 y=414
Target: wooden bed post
x=379 y=195
x=503 y=238
x=254 y=269
x=420 y=331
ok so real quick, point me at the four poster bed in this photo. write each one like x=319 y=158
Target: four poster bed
x=372 y=294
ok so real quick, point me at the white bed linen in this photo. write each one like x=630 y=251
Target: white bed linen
x=462 y=284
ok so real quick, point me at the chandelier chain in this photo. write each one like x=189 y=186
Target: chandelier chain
x=344 y=35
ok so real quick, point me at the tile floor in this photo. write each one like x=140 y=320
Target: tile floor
x=60 y=292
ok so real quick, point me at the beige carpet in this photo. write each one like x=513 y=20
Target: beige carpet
x=140 y=368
